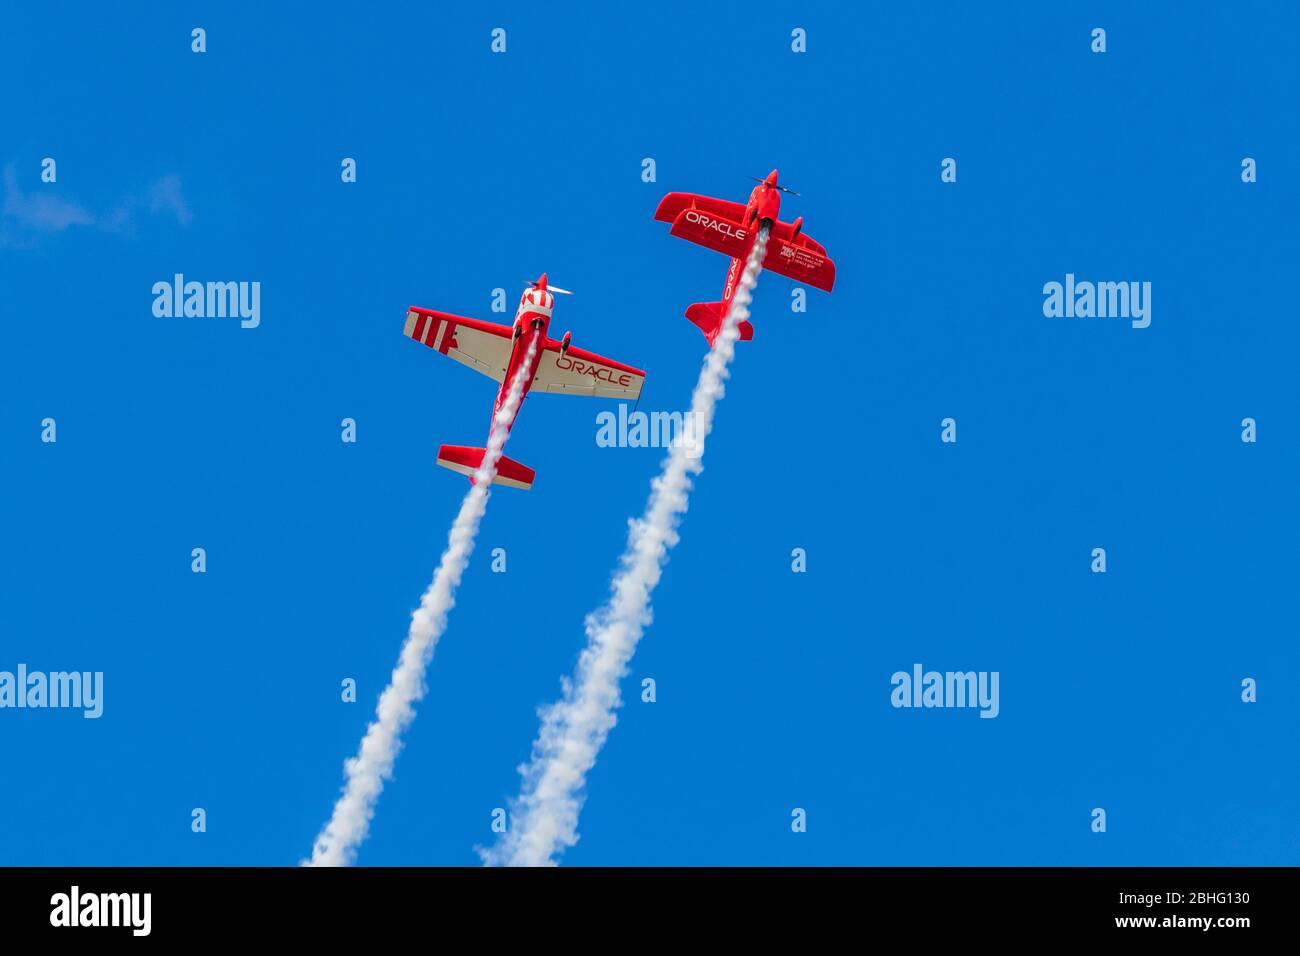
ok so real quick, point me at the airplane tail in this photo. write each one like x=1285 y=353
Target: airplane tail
x=709 y=316
x=465 y=461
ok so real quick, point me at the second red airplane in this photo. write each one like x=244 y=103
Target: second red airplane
x=730 y=228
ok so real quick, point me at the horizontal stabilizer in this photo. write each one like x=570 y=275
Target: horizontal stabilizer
x=709 y=316
x=466 y=461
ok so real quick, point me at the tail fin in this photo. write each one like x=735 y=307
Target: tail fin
x=465 y=460
x=709 y=316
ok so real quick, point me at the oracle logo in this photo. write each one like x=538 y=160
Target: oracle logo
x=717 y=225
x=600 y=373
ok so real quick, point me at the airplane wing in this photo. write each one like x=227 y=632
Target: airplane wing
x=712 y=231
x=674 y=204
x=785 y=230
x=483 y=346
x=803 y=262
x=579 y=372
x=797 y=257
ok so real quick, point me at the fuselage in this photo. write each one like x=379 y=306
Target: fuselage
x=763 y=208
x=532 y=319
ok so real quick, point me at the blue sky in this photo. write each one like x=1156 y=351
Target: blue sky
x=475 y=171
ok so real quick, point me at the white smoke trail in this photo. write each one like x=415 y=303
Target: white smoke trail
x=366 y=772
x=545 y=817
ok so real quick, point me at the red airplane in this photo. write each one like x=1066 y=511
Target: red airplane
x=730 y=228
x=499 y=350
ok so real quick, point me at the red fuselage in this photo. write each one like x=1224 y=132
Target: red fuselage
x=532 y=320
x=763 y=208
x=733 y=229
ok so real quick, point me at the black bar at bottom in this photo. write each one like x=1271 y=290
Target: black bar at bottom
x=334 y=906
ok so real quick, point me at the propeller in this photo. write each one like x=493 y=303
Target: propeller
x=777 y=185
x=532 y=284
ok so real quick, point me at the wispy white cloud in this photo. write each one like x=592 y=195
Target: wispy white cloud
x=25 y=216
x=165 y=197
x=43 y=212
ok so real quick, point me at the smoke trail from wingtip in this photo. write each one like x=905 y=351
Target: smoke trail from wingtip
x=544 y=821
x=366 y=772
